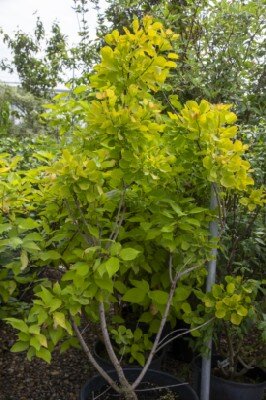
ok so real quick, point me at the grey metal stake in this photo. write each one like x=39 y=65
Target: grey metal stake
x=206 y=361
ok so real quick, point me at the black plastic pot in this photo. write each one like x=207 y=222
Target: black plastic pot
x=223 y=389
x=99 y=349
x=158 y=378
x=179 y=348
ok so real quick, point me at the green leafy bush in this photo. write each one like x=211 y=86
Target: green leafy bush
x=121 y=210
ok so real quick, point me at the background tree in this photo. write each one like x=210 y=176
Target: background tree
x=38 y=61
x=44 y=61
x=22 y=111
x=221 y=48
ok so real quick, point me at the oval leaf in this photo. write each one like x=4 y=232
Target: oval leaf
x=129 y=254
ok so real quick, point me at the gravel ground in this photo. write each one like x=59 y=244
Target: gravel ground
x=61 y=380
x=37 y=380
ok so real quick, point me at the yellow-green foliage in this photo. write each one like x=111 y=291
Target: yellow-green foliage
x=212 y=128
x=233 y=301
x=128 y=191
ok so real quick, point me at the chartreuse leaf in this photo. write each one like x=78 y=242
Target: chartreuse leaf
x=236 y=319
x=128 y=254
x=118 y=320
x=55 y=304
x=28 y=245
x=57 y=288
x=42 y=316
x=216 y=291
x=228 y=180
x=24 y=337
x=14 y=242
x=72 y=342
x=115 y=249
x=42 y=339
x=182 y=293
x=158 y=296
x=82 y=268
x=173 y=56
x=143 y=285
x=197 y=210
x=19 y=346
x=31 y=353
x=50 y=255
x=111 y=266
x=209 y=302
x=94 y=231
x=5 y=228
x=56 y=334
x=220 y=313
x=230 y=288
x=45 y=295
x=135 y=295
x=104 y=283
x=36 y=237
x=230 y=117
x=186 y=307
x=34 y=329
x=137 y=334
x=120 y=287
x=18 y=324
x=79 y=89
x=44 y=354
x=242 y=311
x=154 y=326
x=139 y=357
x=59 y=320
x=27 y=223
x=177 y=209
x=146 y=317
x=34 y=342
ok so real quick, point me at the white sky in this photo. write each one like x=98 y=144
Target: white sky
x=22 y=14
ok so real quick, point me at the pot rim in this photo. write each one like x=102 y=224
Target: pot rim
x=232 y=382
x=150 y=372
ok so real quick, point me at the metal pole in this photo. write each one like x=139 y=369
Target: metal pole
x=206 y=361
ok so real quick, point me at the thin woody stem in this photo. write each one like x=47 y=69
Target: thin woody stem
x=107 y=341
x=158 y=336
x=75 y=221
x=83 y=219
x=163 y=321
x=171 y=268
x=92 y=359
x=230 y=348
x=247 y=366
x=126 y=387
x=221 y=207
x=185 y=332
x=119 y=216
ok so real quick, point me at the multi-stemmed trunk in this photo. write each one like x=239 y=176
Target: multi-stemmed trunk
x=125 y=388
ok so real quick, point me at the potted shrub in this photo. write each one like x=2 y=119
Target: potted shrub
x=235 y=367
x=122 y=212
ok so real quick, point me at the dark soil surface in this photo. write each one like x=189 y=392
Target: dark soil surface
x=61 y=380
